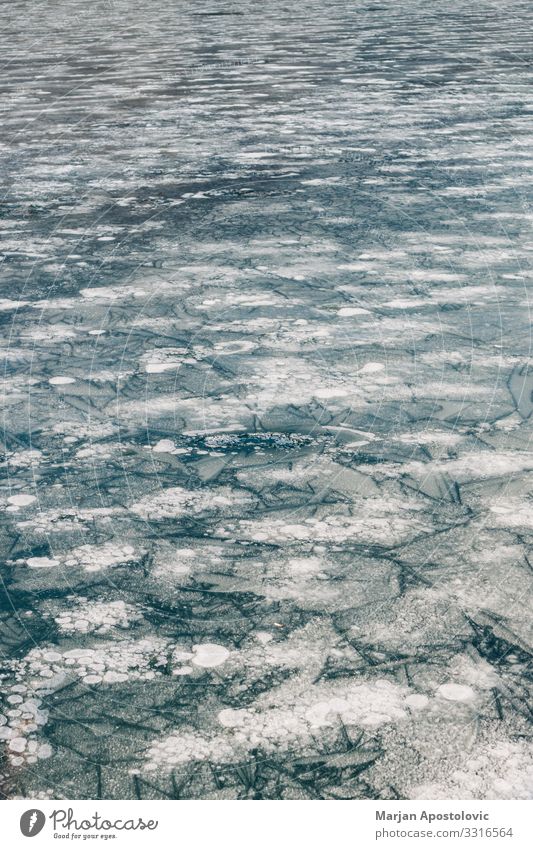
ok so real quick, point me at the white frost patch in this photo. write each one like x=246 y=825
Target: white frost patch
x=113 y=662
x=21 y=500
x=17 y=744
x=93 y=558
x=456 y=692
x=476 y=465
x=178 y=501
x=365 y=704
x=331 y=392
x=158 y=368
x=42 y=562
x=177 y=563
x=99 y=451
x=25 y=459
x=7 y=304
x=22 y=720
x=374 y=520
x=160 y=360
x=85 y=430
x=209 y=654
x=66 y=519
x=348 y=311
x=512 y=513
x=417 y=701
x=50 y=333
x=97 y=617
x=61 y=380
x=431 y=437
x=500 y=770
x=405 y=303
x=164 y=446
x=371 y=368
x=239 y=346
x=282 y=723
x=111 y=293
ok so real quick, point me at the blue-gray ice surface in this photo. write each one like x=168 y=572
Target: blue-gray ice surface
x=267 y=492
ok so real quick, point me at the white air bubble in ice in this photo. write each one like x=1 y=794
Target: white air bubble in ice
x=209 y=654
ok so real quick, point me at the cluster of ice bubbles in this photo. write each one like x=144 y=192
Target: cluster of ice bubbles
x=45 y=671
x=20 y=721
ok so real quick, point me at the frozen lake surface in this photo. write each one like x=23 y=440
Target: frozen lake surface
x=267 y=494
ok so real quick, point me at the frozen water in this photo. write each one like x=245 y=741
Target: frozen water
x=267 y=481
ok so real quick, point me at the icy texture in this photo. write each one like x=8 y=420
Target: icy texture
x=267 y=490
